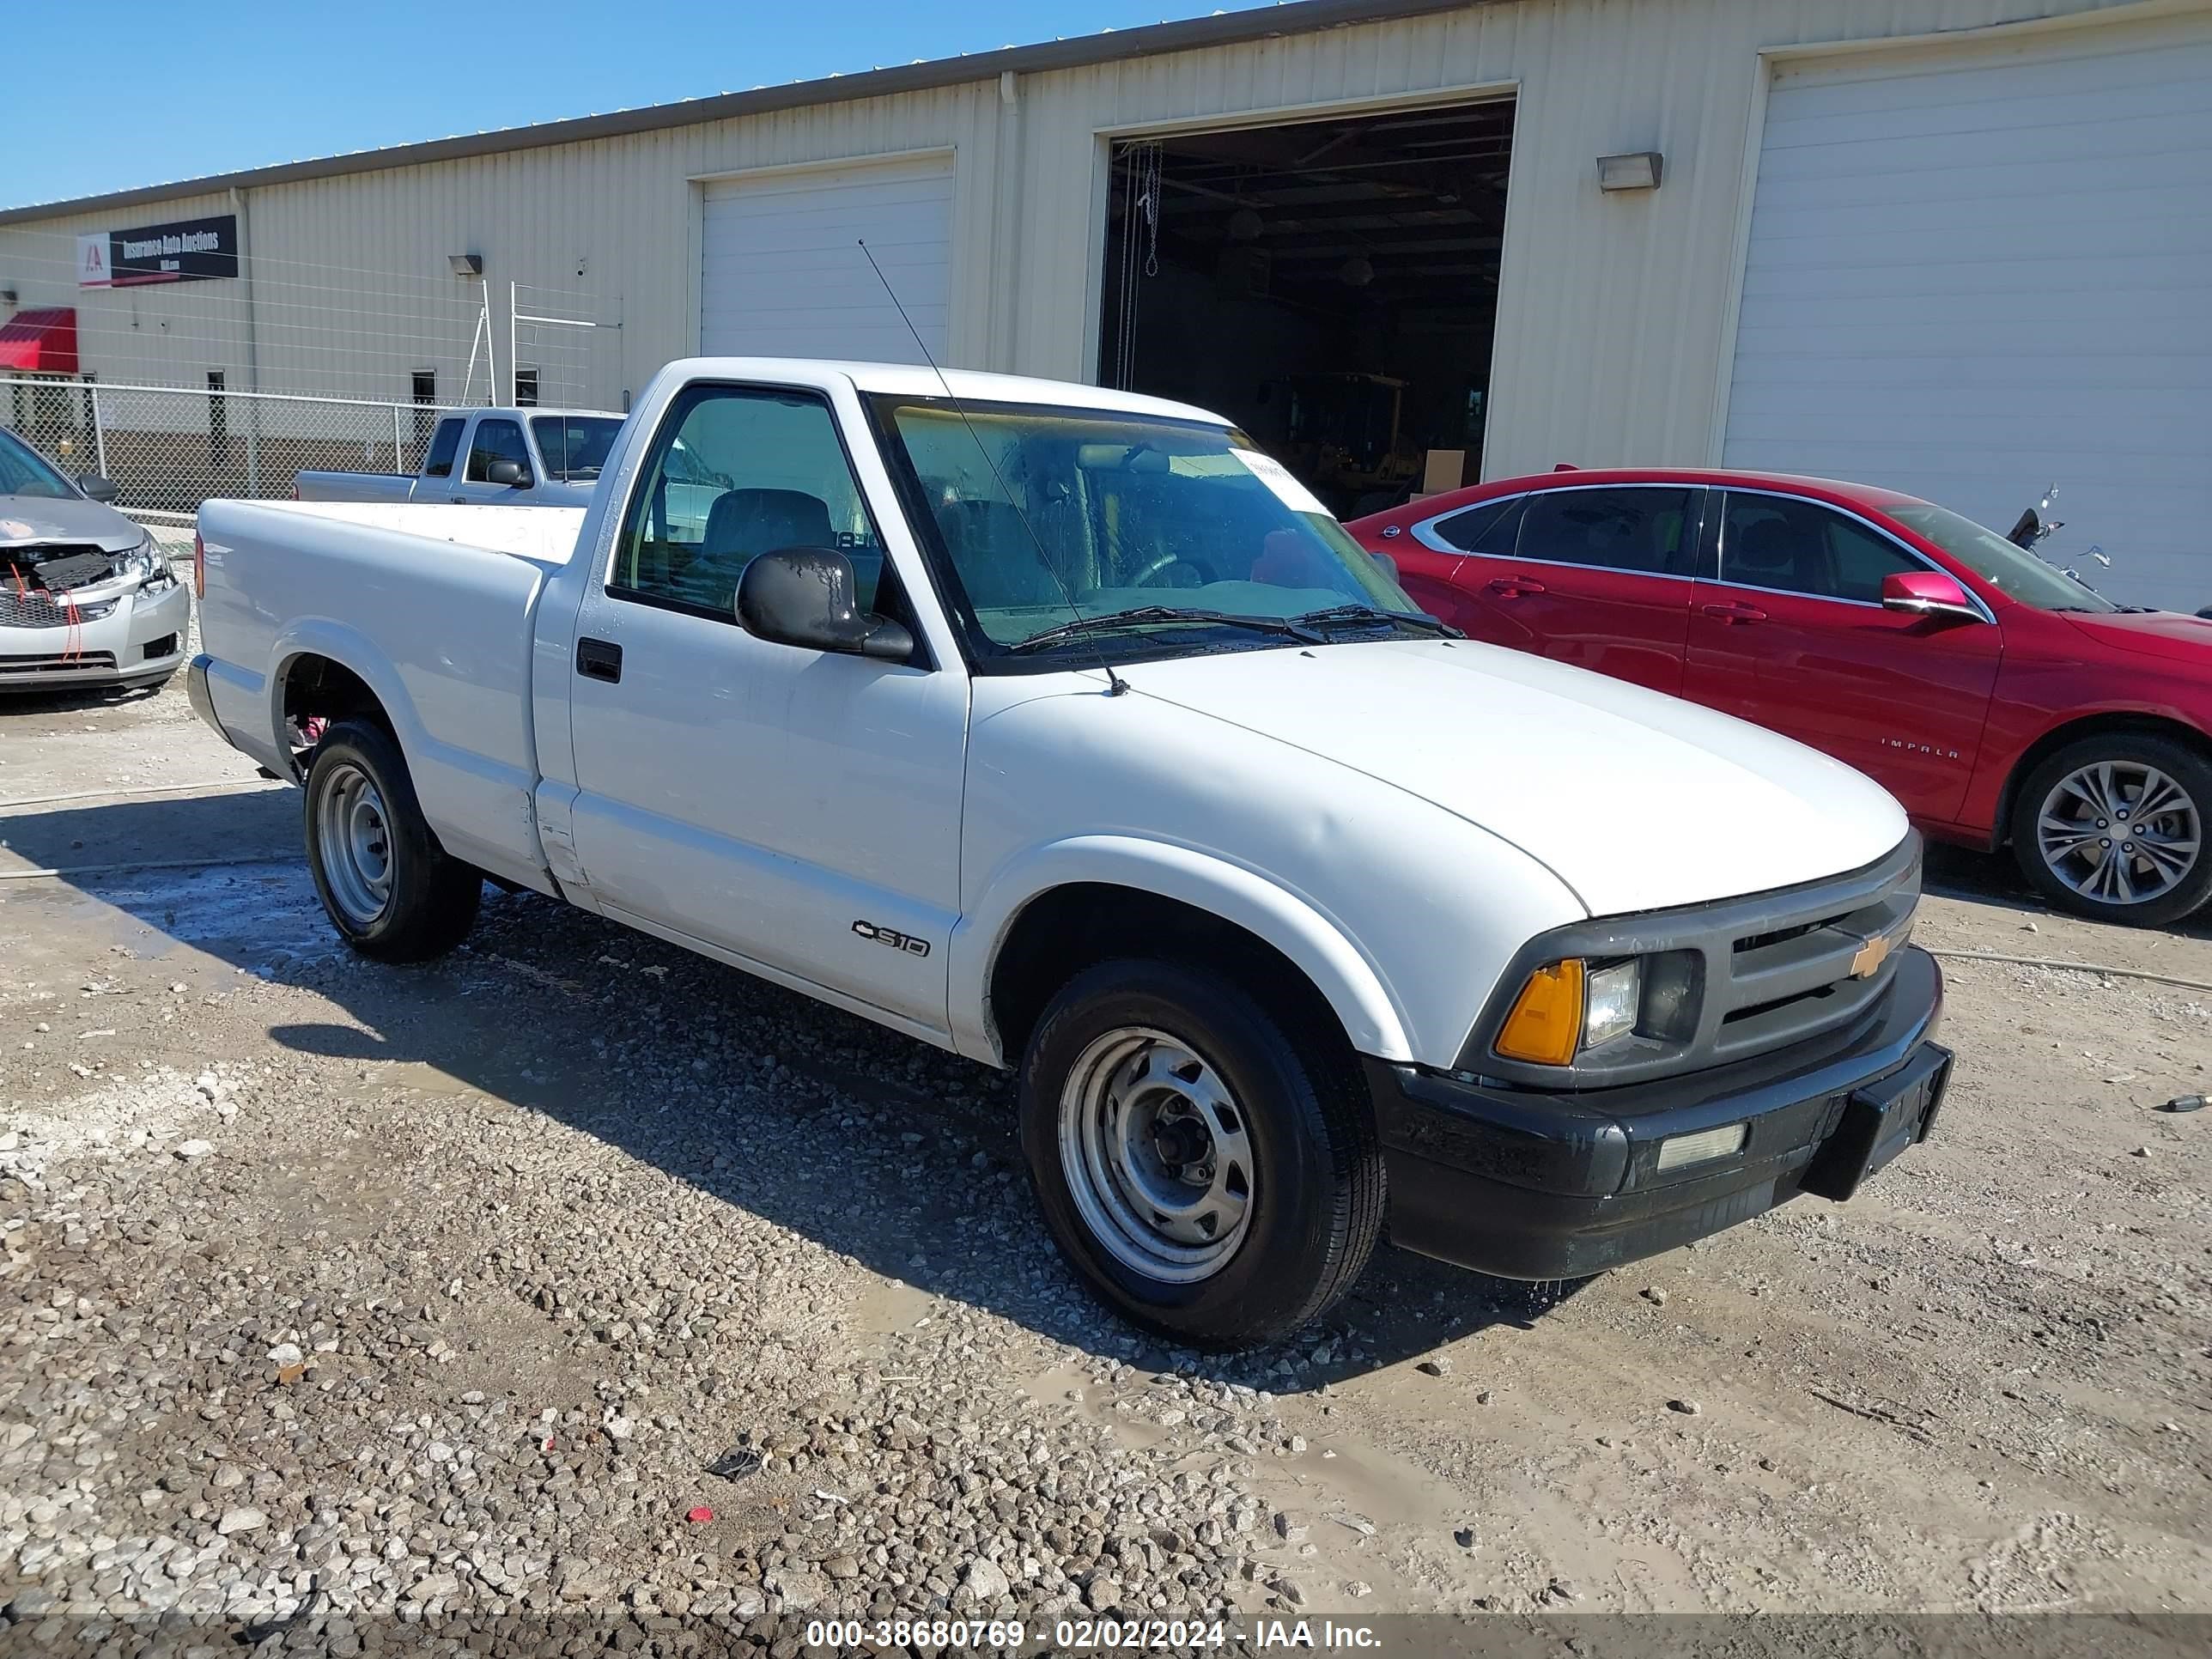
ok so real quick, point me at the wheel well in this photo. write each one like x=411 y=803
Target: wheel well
x=1061 y=933
x=2145 y=726
x=319 y=688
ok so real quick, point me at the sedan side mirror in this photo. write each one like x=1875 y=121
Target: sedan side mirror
x=804 y=596
x=513 y=474
x=98 y=488
x=1389 y=565
x=1927 y=593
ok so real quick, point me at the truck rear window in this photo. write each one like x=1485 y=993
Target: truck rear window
x=444 y=444
x=574 y=446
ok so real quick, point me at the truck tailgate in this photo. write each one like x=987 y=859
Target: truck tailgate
x=439 y=627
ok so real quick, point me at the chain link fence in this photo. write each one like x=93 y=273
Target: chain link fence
x=169 y=448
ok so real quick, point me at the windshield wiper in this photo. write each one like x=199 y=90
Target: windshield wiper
x=1419 y=621
x=1164 y=613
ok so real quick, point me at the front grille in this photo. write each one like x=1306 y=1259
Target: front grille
x=87 y=662
x=34 y=583
x=34 y=608
x=1773 y=970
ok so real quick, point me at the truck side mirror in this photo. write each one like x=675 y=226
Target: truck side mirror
x=1927 y=593
x=98 y=488
x=803 y=596
x=513 y=474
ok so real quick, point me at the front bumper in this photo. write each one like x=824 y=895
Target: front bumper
x=1526 y=1184
x=141 y=639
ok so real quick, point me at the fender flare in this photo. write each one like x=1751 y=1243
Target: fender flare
x=1315 y=944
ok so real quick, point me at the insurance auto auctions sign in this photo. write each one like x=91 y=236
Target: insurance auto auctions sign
x=189 y=251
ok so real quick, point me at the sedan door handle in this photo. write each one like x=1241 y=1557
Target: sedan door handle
x=600 y=660
x=1734 y=613
x=1514 y=587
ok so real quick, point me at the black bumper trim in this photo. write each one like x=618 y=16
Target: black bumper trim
x=1528 y=1185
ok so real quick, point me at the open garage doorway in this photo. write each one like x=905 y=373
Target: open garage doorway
x=1331 y=285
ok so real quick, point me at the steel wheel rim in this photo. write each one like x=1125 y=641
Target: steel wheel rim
x=354 y=838
x=2119 y=832
x=1157 y=1154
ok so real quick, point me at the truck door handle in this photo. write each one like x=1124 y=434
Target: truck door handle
x=1514 y=587
x=1734 y=613
x=600 y=660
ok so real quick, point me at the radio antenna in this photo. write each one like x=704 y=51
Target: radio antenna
x=1115 y=686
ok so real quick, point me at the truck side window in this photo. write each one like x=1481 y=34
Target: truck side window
x=738 y=471
x=444 y=444
x=1794 y=546
x=495 y=440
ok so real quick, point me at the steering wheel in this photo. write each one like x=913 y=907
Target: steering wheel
x=1166 y=562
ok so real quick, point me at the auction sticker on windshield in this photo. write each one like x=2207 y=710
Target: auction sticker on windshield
x=1277 y=476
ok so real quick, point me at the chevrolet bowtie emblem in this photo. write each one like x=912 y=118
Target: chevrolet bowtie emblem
x=1871 y=955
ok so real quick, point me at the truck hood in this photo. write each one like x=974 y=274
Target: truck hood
x=1635 y=800
x=2168 y=635
x=56 y=518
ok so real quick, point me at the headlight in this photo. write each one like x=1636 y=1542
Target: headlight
x=146 y=562
x=1567 y=1008
x=1616 y=996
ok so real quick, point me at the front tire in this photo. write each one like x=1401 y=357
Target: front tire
x=1210 y=1178
x=2112 y=827
x=389 y=889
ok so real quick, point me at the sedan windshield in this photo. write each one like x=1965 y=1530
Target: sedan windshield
x=1147 y=532
x=2009 y=568
x=574 y=446
x=23 y=473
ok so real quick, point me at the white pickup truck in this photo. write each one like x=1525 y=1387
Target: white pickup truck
x=488 y=457
x=1062 y=728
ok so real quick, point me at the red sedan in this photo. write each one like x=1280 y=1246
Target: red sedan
x=1998 y=699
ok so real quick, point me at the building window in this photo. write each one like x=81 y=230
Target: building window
x=425 y=390
x=218 y=414
x=525 y=388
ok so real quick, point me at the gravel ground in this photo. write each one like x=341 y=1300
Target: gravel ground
x=578 y=1280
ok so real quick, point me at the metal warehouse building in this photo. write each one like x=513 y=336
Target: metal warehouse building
x=1962 y=247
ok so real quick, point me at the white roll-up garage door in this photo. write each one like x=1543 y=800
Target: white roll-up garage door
x=781 y=273
x=1971 y=273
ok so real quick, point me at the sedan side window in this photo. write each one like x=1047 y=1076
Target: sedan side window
x=494 y=441
x=1644 y=529
x=1793 y=546
x=740 y=472
x=1489 y=528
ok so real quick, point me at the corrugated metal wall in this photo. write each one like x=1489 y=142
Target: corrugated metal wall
x=1613 y=313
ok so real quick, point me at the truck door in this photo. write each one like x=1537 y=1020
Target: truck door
x=796 y=810
x=496 y=442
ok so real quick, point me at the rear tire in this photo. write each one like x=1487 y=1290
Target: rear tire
x=1210 y=1178
x=2082 y=839
x=389 y=889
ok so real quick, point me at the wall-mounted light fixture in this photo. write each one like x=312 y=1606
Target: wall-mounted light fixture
x=1639 y=170
x=467 y=264
x=7 y=294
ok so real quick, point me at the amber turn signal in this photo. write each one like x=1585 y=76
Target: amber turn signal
x=1545 y=1025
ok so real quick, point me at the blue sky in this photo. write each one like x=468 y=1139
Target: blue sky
x=124 y=92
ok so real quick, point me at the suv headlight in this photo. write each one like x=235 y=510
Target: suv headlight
x=148 y=563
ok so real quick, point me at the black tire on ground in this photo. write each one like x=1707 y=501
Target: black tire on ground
x=1317 y=1186
x=2182 y=764
x=430 y=899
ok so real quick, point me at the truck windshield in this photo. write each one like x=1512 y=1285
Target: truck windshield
x=2011 y=569
x=574 y=446
x=1050 y=515
x=23 y=473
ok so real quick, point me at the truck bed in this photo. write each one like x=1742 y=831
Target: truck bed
x=441 y=600
x=325 y=486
